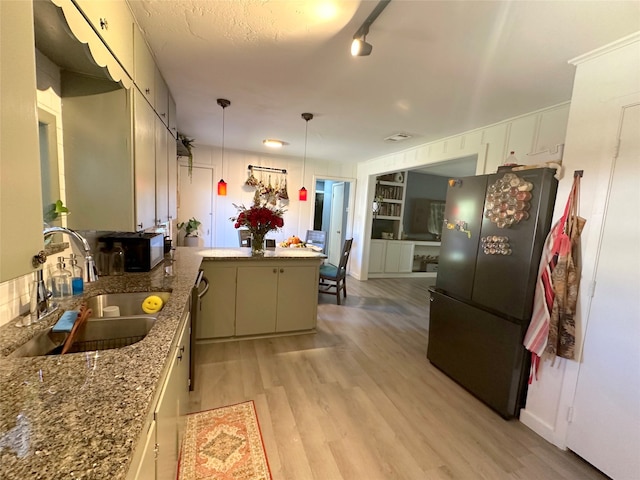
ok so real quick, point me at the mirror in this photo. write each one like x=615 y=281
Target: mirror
x=49 y=172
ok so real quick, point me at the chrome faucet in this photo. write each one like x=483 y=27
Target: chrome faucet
x=90 y=271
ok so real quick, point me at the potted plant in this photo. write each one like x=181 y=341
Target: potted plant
x=185 y=144
x=190 y=228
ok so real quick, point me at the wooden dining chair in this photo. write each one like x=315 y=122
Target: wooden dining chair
x=317 y=238
x=333 y=279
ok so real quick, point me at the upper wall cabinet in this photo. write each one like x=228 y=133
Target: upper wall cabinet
x=144 y=68
x=173 y=121
x=20 y=195
x=113 y=22
x=161 y=98
x=55 y=42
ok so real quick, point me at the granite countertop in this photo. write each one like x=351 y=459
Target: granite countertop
x=244 y=253
x=80 y=415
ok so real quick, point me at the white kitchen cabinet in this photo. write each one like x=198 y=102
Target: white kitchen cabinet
x=173 y=120
x=113 y=22
x=395 y=258
x=377 y=254
x=144 y=67
x=172 y=168
x=145 y=163
x=399 y=257
x=21 y=196
x=161 y=99
x=161 y=171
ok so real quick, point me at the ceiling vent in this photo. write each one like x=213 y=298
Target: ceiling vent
x=398 y=137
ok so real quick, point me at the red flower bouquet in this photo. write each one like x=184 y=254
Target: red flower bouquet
x=259 y=219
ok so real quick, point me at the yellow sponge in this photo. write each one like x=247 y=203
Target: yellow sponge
x=152 y=304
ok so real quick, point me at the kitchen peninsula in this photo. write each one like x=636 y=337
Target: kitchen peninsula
x=259 y=295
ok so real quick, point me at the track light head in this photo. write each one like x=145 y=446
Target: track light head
x=360 y=48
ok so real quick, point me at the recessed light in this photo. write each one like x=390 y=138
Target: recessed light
x=272 y=143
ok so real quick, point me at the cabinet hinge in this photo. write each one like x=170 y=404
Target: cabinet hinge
x=156 y=449
x=570 y=414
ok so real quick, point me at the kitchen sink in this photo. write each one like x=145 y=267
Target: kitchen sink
x=97 y=334
x=129 y=303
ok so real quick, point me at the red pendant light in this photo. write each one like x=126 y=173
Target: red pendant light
x=222 y=185
x=302 y=193
x=222 y=188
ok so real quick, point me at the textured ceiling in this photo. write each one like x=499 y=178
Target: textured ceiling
x=437 y=67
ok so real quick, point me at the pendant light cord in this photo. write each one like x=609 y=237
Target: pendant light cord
x=224 y=103
x=304 y=160
x=306 y=117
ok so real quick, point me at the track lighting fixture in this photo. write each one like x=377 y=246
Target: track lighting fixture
x=359 y=45
x=302 y=193
x=222 y=185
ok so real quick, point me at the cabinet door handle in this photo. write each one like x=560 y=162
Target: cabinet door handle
x=163 y=114
x=147 y=91
x=180 y=357
x=282 y=270
x=104 y=25
x=140 y=226
x=275 y=270
x=182 y=349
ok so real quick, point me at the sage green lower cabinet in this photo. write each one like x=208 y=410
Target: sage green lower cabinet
x=146 y=469
x=259 y=297
x=217 y=317
x=159 y=449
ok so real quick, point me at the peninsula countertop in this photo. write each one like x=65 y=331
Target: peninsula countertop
x=80 y=415
x=244 y=253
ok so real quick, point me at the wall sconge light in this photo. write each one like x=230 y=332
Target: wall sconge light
x=222 y=185
x=359 y=45
x=302 y=193
x=272 y=143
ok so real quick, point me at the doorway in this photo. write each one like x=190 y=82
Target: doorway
x=196 y=200
x=334 y=198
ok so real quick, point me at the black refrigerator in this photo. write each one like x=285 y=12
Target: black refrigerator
x=492 y=238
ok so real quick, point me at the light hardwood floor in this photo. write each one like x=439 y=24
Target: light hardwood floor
x=359 y=400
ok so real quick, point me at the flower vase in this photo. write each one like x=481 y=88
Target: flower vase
x=257 y=244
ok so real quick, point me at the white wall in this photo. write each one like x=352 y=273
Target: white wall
x=603 y=82
x=299 y=215
x=527 y=135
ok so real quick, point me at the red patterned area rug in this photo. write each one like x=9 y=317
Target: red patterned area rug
x=224 y=444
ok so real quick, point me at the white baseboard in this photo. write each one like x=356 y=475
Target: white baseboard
x=543 y=429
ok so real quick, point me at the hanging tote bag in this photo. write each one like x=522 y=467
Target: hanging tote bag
x=566 y=280
x=537 y=337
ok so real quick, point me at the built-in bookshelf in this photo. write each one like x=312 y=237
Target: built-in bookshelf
x=389 y=196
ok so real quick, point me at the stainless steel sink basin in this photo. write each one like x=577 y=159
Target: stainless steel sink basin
x=97 y=334
x=129 y=303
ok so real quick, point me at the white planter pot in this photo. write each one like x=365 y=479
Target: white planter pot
x=191 y=241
